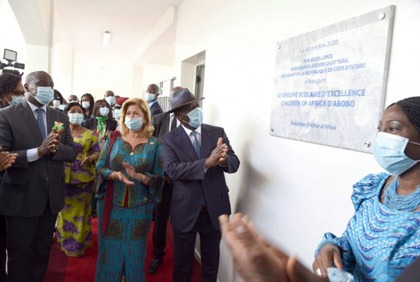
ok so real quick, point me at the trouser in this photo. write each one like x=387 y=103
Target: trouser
x=3 y=240
x=162 y=211
x=29 y=243
x=184 y=250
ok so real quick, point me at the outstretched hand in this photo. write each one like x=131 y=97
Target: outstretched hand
x=328 y=256
x=258 y=261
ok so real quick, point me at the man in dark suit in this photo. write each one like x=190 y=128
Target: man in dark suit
x=151 y=98
x=32 y=190
x=162 y=123
x=196 y=156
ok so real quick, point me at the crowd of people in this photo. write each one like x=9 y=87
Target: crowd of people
x=128 y=162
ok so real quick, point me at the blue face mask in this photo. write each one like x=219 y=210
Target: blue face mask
x=117 y=114
x=196 y=118
x=388 y=151
x=75 y=118
x=133 y=123
x=150 y=97
x=16 y=100
x=110 y=100
x=104 y=111
x=44 y=95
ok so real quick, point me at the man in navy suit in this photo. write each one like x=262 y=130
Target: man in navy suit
x=196 y=156
x=151 y=98
x=32 y=189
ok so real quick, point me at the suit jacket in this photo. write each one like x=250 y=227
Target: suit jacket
x=191 y=181
x=161 y=124
x=26 y=187
x=155 y=109
x=92 y=124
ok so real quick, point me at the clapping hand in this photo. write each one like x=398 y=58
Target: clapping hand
x=49 y=144
x=118 y=175
x=218 y=155
x=258 y=261
x=6 y=159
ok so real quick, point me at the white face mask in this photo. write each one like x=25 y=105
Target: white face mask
x=56 y=103
x=75 y=118
x=86 y=104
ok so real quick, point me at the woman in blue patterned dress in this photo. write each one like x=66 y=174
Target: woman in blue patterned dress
x=383 y=236
x=136 y=171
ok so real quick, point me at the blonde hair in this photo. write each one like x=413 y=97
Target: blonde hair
x=147 y=127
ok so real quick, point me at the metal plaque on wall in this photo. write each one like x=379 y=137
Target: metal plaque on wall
x=330 y=83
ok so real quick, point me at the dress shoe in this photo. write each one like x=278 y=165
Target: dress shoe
x=154 y=265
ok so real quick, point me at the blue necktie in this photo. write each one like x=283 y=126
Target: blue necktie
x=40 y=121
x=195 y=143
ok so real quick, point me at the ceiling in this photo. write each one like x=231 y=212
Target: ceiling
x=142 y=31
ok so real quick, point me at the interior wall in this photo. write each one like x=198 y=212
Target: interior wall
x=10 y=34
x=292 y=190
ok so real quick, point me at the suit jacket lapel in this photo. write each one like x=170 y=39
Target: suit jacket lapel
x=50 y=119
x=165 y=123
x=206 y=141
x=185 y=142
x=29 y=120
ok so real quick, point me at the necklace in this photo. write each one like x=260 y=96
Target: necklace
x=408 y=202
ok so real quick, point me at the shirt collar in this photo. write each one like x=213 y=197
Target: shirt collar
x=152 y=102
x=33 y=107
x=188 y=131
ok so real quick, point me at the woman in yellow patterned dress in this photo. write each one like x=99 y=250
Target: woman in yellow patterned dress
x=74 y=230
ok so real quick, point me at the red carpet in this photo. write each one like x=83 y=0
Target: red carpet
x=69 y=269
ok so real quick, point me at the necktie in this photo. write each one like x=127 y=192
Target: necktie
x=195 y=143
x=40 y=121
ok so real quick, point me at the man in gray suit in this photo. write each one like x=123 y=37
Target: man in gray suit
x=32 y=189
x=195 y=157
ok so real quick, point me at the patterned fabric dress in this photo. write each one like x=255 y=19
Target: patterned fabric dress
x=122 y=250
x=379 y=242
x=74 y=230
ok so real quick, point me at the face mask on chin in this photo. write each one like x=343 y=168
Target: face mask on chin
x=388 y=150
x=44 y=95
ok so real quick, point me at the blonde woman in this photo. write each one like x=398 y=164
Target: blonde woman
x=134 y=168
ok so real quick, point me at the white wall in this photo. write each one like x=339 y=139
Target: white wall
x=10 y=34
x=293 y=191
